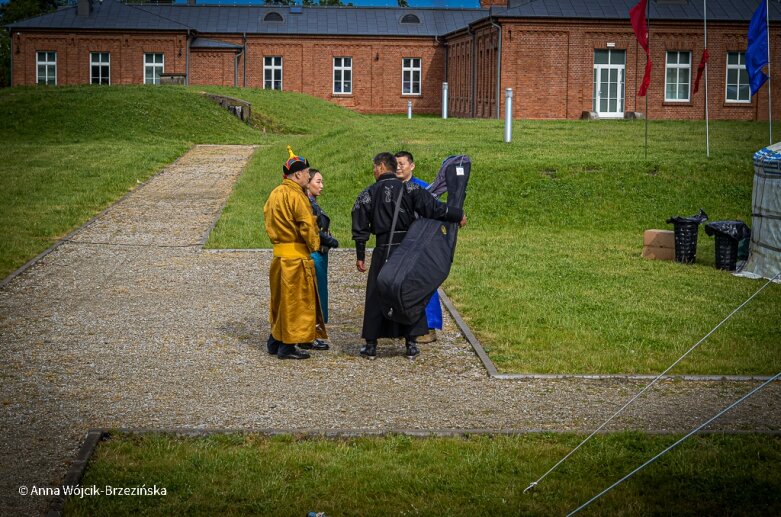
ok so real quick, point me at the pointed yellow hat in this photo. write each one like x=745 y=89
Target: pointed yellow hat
x=294 y=163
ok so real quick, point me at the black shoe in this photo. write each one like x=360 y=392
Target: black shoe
x=319 y=344
x=412 y=350
x=272 y=345
x=291 y=352
x=369 y=351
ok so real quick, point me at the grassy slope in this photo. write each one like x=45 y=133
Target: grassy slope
x=67 y=153
x=242 y=475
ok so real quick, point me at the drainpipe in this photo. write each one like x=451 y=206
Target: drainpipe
x=498 y=71
x=244 y=51
x=236 y=68
x=437 y=43
x=447 y=56
x=187 y=61
x=473 y=86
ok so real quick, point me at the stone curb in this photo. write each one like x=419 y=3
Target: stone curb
x=414 y=433
x=77 y=468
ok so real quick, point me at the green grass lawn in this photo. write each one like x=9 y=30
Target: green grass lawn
x=398 y=475
x=548 y=271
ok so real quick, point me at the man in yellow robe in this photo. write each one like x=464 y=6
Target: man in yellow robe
x=296 y=317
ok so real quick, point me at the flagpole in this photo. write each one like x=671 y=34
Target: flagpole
x=769 y=74
x=707 y=118
x=648 y=28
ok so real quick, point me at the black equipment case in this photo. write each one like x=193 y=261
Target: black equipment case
x=423 y=259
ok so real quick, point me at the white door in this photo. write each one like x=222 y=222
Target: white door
x=609 y=71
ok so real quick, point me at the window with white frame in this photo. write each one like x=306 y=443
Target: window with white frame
x=100 y=68
x=46 y=68
x=343 y=75
x=154 y=66
x=272 y=72
x=677 y=76
x=410 y=76
x=737 y=78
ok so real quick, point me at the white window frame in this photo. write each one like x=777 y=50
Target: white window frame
x=411 y=74
x=271 y=65
x=99 y=64
x=740 y=70
x=48 y=60
x=672 y=75
x=154 y=65
x=343 y=67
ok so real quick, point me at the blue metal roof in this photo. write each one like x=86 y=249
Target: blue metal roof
x=331 y=21
x=369 y=21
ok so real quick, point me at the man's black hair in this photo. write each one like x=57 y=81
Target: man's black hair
x=387 y=160
x=405 y=154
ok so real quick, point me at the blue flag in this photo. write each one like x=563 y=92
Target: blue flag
x=756 y=53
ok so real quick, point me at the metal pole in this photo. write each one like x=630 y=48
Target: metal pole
x=769 y=66
x=707 y=117
x=409 y=109
x=508 y=115
x=648 y=57
x=444 y=100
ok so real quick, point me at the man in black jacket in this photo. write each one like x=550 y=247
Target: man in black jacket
x=373 y=213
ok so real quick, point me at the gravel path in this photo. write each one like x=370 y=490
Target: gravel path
x=131 y=324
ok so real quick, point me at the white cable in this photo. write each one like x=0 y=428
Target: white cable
x=658 y=377
x=608 y=489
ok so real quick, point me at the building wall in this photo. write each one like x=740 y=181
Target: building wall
x=550 y=66
x=307 y=66
x=73 y=54
x=210 y=67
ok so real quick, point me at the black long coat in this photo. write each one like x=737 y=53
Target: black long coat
x=373 y=214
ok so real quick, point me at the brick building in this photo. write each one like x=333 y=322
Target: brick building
x=561 y=58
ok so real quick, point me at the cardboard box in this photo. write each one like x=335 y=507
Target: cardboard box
x=659 y=238
x=659 y=244
x=657 y=253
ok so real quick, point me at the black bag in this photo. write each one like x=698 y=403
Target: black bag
x=423 y=259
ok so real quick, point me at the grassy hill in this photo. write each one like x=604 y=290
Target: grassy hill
x=69 y=152
x=548 y=272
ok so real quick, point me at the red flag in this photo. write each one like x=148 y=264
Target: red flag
x=700 y=68
x=640 y=25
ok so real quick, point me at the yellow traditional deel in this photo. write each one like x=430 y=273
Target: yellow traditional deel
x=295 y=313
